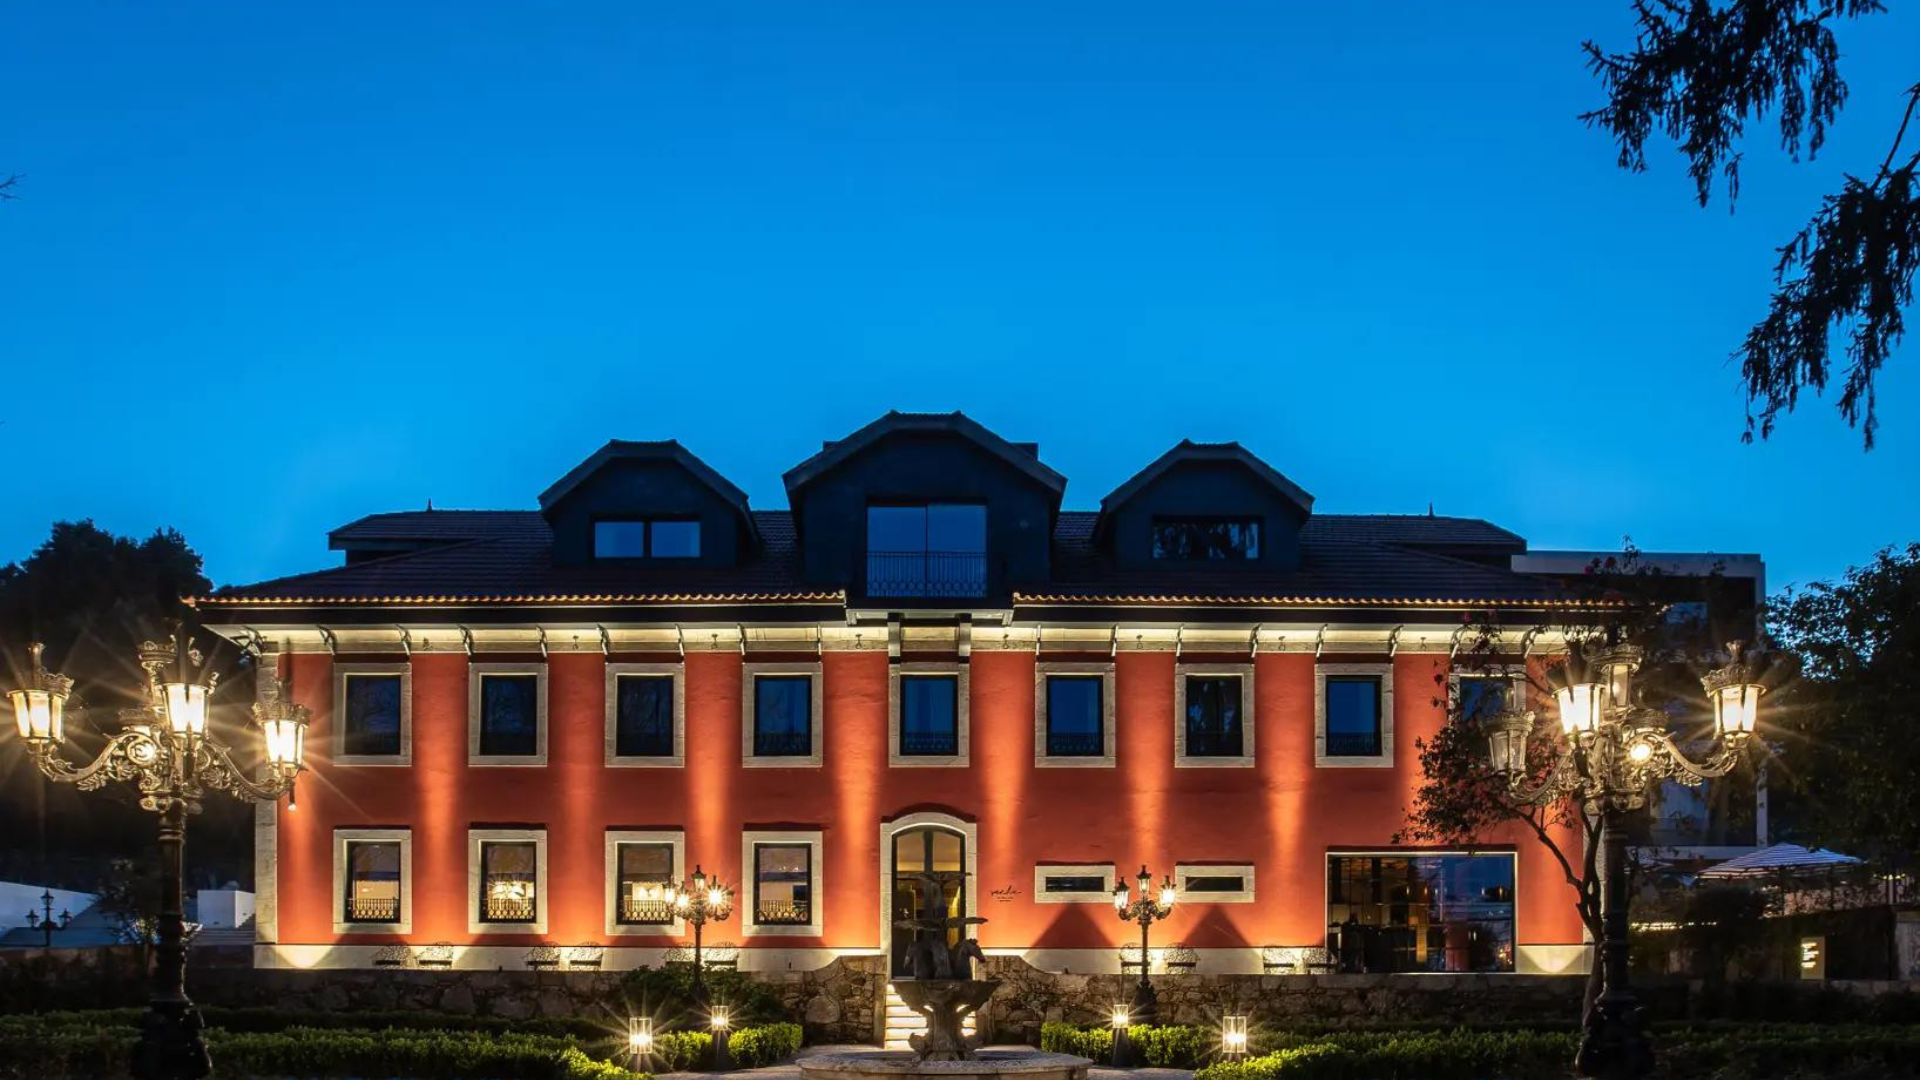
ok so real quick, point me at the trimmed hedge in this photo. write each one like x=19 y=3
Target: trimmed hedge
x=753 y=1047
x=1164 y=1046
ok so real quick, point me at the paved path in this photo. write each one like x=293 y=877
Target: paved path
x=787 y=1070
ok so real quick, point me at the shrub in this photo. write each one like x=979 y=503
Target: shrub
x=666 y=994
x=1173 y=1046
x=754 y=1047
x=682 y=1051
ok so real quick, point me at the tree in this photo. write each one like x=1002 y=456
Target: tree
x=92 y=597
x=1461 y=801
x=1850 y=754
x=1699 y=70
x=6 y=186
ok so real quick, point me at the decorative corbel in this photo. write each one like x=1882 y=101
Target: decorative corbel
x=543 y=643
x=406 y=641
x=1393 y=640
x=466 y=640
x=606 y=641
x=327 y=638
x=1320 y=641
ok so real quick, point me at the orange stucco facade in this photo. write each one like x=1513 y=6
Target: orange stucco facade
x=1283 y=815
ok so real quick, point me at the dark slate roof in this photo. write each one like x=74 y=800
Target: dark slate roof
x=504 y=556
x=1188 y=450
x=1022 y=456
x=1365 y=559
x=656 y=450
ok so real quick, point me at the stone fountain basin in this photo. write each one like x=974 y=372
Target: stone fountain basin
x=986 y=1065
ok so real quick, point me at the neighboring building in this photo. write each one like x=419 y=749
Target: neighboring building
x=527 y=721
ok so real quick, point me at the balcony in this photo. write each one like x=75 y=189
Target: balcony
x=373 y=909
x=933 y=574
x=930 y=743
x=1363 y=744
x=1075 y=744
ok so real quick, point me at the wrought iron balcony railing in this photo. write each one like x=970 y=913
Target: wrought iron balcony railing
x=1366 y=744
x=373 y=909
x=927 y=573
x=1075 y=744
x=645 y=911
x=782 y=743
x=771 y=913
x=929 y=743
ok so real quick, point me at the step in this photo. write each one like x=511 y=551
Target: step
x=902 y=1022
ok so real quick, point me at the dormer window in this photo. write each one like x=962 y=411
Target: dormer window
x=647 y=538
x=927 y=549
x=1206 y=539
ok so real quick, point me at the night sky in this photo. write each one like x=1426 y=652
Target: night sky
x=273 y=267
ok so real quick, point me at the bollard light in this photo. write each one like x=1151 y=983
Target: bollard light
x=1233 y=1036
x=640 y=1034
x=721 y=1017
x=1120 y=1012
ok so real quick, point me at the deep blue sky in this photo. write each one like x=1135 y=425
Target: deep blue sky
x=275 y=268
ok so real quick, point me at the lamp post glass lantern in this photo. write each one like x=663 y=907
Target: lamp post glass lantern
x=44 y=921
x=1145 y=907
x=166 y=750
x=699 y=901
x=1613 y=754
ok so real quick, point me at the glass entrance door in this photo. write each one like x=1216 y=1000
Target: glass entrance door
x=915 y=851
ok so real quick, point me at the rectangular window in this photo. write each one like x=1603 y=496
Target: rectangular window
x=370 y=719
x=1214 y=726
x=1076 y=883
x=509 y=715
x=1444 y=913
x=783 y=884
x=1201 y=884
x=509 y=876
x=1073 y=883
x=1075 y=711
x=1483 y=697
x=645 y=871
x=930 y=549
x=783 y=716
x=1206 y=539
x=1353 y=715
x=929 y=715
x=643 y=718
x=662 y=538
x=373 y=882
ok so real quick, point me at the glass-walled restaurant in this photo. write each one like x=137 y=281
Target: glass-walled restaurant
x=1412 y=913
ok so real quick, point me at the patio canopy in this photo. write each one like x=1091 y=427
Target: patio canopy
x=1778 y=859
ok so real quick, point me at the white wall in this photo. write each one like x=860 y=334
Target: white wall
x=223 y=909
x=17 y=898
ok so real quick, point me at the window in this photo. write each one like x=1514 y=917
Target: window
x=371 y=868
x=929 y=706
x=508 y=712
x=644 y=871
x=931 y=549
x=782 y=884
x=1407 y=912
x=1206 y=539
x=1077 y=883
x=372 y=721
x=643 y=716
x=1483 y=697
x=1076 y=724
x=509 y=881
x=1215 y=883
x=506 y=880
x=1353 y=715
x=1213 y=715
x=1073 y=715
x=782 y=726
x=639 y=867
x=661 y=538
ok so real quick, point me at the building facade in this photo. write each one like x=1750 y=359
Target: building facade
x=526 y=723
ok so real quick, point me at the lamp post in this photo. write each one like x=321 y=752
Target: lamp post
x=44 y=921
x=1612 y=755
x=1146 y=908
x=173 y=760
x=700 y=901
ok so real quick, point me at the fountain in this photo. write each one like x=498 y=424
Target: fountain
x=946 y=991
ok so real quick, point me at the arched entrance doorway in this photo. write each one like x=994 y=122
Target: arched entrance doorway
x=914 y=845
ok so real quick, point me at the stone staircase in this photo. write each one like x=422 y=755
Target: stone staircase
x=902 y=1022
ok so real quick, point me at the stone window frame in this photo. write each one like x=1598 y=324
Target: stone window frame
x=1243 y=871
x=677 y=839
x=476 y=675
x=969 y=833
x=1384 y=759
x=1248 y=721
x=1513 y=673
x=675 y=760
x=1108 y=736
x=476 y=837
x=896 y=714
x=345 y=835
x=341 y=672
x=749 y=700
x=749 y=878
x=1107 y=872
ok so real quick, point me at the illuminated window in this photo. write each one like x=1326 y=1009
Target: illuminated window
x=373 y=881
x=509 y=881
x=662 y=538
x=783 y=884
x=1206 y=539
x=644 y=873
x=1393 y=912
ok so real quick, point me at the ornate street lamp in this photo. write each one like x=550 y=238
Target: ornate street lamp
x=699 y=902
x=44 y=921
x=173 y=760
x=1146 y=908
x=1612 y=755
